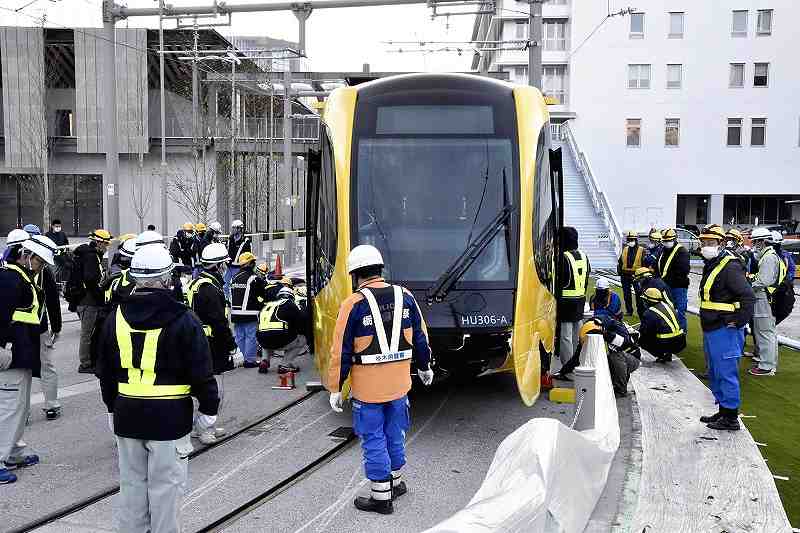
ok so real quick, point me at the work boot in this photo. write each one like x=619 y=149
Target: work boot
x=398 y=485
x=263 y=366
x=6 y=477
x=729 y=420
x=380 y=501
x=21 y=462
x=710 y=418
x=52 y=413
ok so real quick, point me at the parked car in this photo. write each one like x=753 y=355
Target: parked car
x=689 y=240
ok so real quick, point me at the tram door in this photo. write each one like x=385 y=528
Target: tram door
x=314 y=163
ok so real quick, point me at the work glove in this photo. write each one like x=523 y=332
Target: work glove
x=53 y=339
x=237 y=358
x=426 y=376
x=205 y=422
x=336 y=401
x=111 y=422
x=5 y=357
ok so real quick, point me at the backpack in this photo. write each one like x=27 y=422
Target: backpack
x=791 y=266
x=74 y=290
x=782 y=301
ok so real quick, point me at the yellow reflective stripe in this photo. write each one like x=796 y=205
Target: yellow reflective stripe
x=669 y=259
x=207 y=331
x=28 y=315
x=194 y=286
x=781 y=269
x=579 y=275
x=152 y=391
x=266 y=321
x=705 y=295
x=671 y=320
x=637 y=260
x=716 y=306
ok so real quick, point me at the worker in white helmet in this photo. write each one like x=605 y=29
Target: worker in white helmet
x=238 y=244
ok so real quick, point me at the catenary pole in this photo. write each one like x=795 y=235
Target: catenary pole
x=109 y=83
x=535 y=45
x=162 y=88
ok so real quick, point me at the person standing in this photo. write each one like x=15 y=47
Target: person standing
x=726 y=306
x=630 y=260
x=673 y=267
x=91 y=275
x=56 y=233
x=182 y=246
x=248 y=294
x=153 y=358
x=770 y=273
x=575 y=271
x=379 y=368
x=785 y=256
x=734 y=245
x=238 y=243
x=21 y=308
x=660 y=332
x=654 y=249
x=207 y=299
x=14 y=239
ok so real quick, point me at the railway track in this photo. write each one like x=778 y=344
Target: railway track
x=73 y=508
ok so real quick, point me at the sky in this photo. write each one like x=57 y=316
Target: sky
x=337 y=39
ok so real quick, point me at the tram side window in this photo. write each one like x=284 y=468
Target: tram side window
x=326 y=210
x=544 y=214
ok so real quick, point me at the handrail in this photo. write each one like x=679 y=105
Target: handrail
x=599 y=199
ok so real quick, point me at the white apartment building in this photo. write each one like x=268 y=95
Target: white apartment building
x=688 y=112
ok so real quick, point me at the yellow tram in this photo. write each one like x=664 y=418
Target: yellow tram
x=452 y=178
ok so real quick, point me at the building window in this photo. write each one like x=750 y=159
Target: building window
x=672 y=132
x=637 y=26
x=758 y=131
x=554 y=82
x=521 y=30
x=739 y=24
x=737 y=75
x=764 y=26
x=638 y=76
x=674 y=76
x=761 y=75
x=633 y=132
x=521 y=74
x=557 y=2
x=675 y=26
x=555 y=34
x=64 y=125
x=734 y=132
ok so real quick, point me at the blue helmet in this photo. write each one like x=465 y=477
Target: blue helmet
x=32 y=229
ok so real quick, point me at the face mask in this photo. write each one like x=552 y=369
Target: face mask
x=669 y=244
x=57 y=229
x=631 y=243
x=709 y=252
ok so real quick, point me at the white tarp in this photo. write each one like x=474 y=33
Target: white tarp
x=545 y=476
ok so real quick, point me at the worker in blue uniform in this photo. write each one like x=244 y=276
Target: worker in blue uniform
x=654 y=249
x=726 y=306
x=379 y=368
x=605 y=302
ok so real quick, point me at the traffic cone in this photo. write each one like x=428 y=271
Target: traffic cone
x=278 y=268
x=285 y=381
x=547 y=381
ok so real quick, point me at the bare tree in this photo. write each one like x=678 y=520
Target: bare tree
x=192 y=186
x=141 y=192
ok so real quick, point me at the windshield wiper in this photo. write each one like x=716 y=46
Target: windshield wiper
x=459 y=267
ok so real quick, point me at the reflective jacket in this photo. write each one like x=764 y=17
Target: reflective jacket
x=606 y=303
x=182 y=248
x=119 y=286
x=661 y=323
x=207 y=299
x=21 y=308
x=725 y=295
x=153 y=357
x=673 y=266
x=630 y=259
x=248 y=294
x=377 y=375
x=238 y=247
x=90 y=262
x=51 y=318
x=280 y=322
x=575 y=269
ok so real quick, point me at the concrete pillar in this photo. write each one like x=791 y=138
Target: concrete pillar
x=715 y=209
x=111 y=175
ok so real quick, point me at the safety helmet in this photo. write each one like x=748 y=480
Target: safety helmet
x=655 y=235
x=263 y=268
x=669 y=235
x=151 y=262
x=200 y=226
x=589 y=327
x=631 y=236
x=245 y=258
x=216 y=227
x=214 y=253
x=653 y=295
x=363 y=255
x=126 y=236
x=777 y=237
x=760 y=234
x=602 y=284
x=237 y=224
x=32 y=229
x=100 y=235
x=149 y=237
x=285 y=292
x=42 y=247
x=17 y=236
x=713 y=231
x=187 y=226
x=301 y=291
x=642 y=272
x=285 y=280
x=128 y=248
x=735 y=235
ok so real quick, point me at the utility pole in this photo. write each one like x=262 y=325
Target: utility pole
x=535 y=44
x=195 y=92
x=111 y=176
x=287 y=155
x=164 y=221
x=232 y=180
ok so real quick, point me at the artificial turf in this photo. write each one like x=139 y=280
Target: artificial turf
x=775 y=402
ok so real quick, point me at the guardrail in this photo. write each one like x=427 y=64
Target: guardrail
x=599 y=200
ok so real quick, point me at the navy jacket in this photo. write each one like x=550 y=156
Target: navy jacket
x=15 y=293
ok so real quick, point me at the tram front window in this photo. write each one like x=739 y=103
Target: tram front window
x=421 y=200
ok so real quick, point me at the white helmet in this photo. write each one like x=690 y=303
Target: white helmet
x=216 y=227
x=602 y=283
x=362 y=256
x=214 y=253
x=128 y=248
x=237 y=224
x=777 y=237
x=17 y=236
x=285 y=292
x=149 y=237
x=151 y=262
x=42 y=247
x=760 y=234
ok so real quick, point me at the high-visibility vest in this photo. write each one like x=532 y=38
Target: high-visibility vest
x=122 y=280
x=705 y=290
x=637 y=259
x=267 y=319
x=191 y=292
x=781 y=269
x=389 y=349
x=669 y=259
x=142 y=376
x=667 y=314
x=579 y=268
x=31 y=314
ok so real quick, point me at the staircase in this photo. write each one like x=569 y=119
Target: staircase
x=585 y=206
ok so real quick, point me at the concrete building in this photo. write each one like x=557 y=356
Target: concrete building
x=686 y=111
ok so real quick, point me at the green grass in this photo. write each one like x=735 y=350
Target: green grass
x=775 y=401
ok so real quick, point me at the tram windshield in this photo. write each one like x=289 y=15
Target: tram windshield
x=428 y=181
